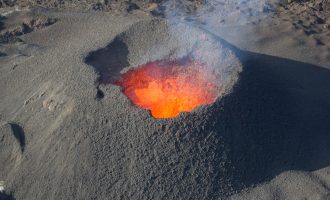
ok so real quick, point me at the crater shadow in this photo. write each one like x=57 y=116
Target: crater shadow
x=19 y=134
x=4 y=196
x=276 y=119
x=2 y=18
x=109 y=61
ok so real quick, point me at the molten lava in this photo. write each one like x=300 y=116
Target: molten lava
x=167 y=88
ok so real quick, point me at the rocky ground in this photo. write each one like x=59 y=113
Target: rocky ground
x=65 y=135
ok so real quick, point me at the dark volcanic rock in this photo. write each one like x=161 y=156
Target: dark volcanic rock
x=20 y=25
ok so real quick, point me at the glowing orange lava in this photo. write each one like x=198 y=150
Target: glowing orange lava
x=167 y=88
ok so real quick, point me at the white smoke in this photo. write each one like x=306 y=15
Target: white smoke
x=218 y=12
x=2 y=186
x=207 y=17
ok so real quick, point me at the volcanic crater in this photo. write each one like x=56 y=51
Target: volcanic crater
x=176 y=147
x=252 y=132
x=175 y=68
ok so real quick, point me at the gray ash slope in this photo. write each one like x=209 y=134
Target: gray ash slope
x=168 y=158
x=81 y=147
x=78 y=146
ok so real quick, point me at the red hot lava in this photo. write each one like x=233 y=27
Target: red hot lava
x=167 y=88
